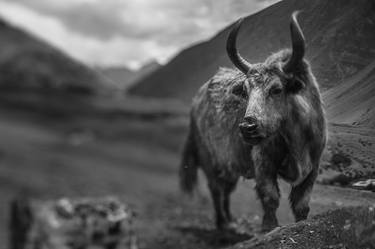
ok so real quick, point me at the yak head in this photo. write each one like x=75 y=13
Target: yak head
x=268 y=87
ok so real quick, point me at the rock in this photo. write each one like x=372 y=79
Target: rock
x=368 y=184
x=71 y=223
x=349 y=228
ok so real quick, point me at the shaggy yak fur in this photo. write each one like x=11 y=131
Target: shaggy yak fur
x=279 y=97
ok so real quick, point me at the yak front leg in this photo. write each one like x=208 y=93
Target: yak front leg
x=267 y=190
x=269 y=195
x=300 y=197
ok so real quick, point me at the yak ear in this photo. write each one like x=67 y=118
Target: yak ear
x=298 y=47
x=295 y=84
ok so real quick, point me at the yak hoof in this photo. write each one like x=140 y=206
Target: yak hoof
x=227 y=226
x=269 y=224
x=268 y=227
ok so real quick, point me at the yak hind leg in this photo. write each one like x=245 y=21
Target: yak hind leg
x=217 y=195
x=229 y=187
x=220 y=192
x=300 y=197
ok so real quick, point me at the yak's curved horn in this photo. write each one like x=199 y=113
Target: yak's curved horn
x=298 y=45
x=232 y=51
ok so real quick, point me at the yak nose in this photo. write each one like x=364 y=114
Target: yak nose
x=249 y=124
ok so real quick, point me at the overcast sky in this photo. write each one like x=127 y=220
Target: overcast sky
x=125 y=32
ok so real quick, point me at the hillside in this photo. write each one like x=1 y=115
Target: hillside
x=30 y=64
x=352 y=101
x=340 y=43
x=126 y=77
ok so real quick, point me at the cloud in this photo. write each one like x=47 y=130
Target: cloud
x=125 y=32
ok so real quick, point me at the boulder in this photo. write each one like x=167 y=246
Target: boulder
x=70 y=223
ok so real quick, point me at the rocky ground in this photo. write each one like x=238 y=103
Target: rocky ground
x=339 y=229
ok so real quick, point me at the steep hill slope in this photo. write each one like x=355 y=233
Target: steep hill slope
x=353 y=100
x=28 y=63
x=340 y=42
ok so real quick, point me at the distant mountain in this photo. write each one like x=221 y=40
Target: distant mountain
x=123 y=76
x=340 y=38
x=30 y=64
x=126 y=77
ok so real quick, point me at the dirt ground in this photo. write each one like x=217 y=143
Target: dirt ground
x=136 y=160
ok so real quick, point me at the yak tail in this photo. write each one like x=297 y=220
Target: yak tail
x=189 y=164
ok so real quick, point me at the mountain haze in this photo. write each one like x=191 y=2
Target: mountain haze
x=126 y=77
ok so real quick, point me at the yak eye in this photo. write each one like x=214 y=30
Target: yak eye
x=239 y=90
x=276 y=90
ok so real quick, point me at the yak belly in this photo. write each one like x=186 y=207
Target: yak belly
x=295 y=170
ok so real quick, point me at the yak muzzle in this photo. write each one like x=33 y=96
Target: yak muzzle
x=250 y=131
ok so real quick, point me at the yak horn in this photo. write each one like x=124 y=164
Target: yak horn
x=232 y=51
x=298 y=45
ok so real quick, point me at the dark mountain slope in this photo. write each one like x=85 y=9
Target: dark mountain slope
x=30 y=64
x=340 y=42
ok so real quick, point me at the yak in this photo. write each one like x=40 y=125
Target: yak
x=260 y=121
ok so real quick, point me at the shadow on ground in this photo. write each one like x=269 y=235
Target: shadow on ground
x=215 y=238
